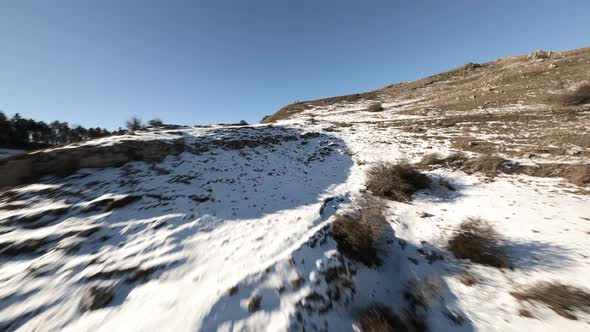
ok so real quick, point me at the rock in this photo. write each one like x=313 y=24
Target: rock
x=536 y=55
x=574 y=152
x=96 y=297
x=552 y=65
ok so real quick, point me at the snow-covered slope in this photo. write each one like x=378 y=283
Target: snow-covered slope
x=186 y=243
x=232 y=230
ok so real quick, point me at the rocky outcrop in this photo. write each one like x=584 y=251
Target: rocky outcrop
x=65 y=161
x=28 y=168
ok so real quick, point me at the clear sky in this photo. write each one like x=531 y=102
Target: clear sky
x=96 y=63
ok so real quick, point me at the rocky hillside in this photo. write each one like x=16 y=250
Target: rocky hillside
x=455 y=203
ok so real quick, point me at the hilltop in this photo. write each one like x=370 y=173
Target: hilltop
x=458 y=202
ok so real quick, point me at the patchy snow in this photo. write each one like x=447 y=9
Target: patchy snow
x=5 y=153
x=171 y=239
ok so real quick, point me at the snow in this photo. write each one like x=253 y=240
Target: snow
x=258 y=218
x=5 y=153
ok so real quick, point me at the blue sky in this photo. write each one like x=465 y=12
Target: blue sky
x=96 y=63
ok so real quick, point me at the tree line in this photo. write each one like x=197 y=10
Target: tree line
x=21 y=133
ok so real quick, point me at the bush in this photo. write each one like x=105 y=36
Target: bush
x=562 y=299
x=376 y=107
x=488 y=165
x=254 y=303
x=420 y=292
x=357 y=232
x=454 y=160
x=378 y=318
x=578 y=97
x=477 y=241
x=396 y=181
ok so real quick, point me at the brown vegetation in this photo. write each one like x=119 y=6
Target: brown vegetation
x=488 y=165
x=453 y=161
x=580 y=96
x=477 y=241
x=378 y=318
x=254 y=303
x=357 y=232
x=376 y=107
x=396 y=181
x=421 y=292
x=562 y=299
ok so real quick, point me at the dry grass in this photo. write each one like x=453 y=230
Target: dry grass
x=488 y=165
x=357 y=233
x=396 y=181
x=297 y=282
x=254 y=303
x=454 y=160
x=376 y=107
x=562 y=299
x=378 y=318
x=477 y=241
x=578 y=97
x=421 y=292
x=468 y=279
x=233 y=290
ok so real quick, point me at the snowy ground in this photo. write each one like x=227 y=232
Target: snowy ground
x=185 y=244
x=4 y=153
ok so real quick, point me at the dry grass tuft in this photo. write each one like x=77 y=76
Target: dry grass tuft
x=562 y=299
x=468 y=279
x=378 y=318
x=254 y=303
x=233 y=290
x=477 y=241
x=376 y=107
x=421 y=292
x=454 y=160
x=396 y=181
x=579 y=97
x=489 y=165
x=357 y=233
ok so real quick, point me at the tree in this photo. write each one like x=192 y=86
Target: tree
x=243 y=123
x=134 y=124
x=156 y=123
x=5 y=130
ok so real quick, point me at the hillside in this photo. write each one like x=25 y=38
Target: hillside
x=459 y=203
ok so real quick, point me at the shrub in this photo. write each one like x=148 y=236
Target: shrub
x=477 y=241
x=357 y=232
x=233 y=290
x=562 y=299
x=376 y=107
x=396 y=181
x=488 y=165
x=378 y=318
x=578 y=97
x=420 y=292
x=254 y=303
x=454 y=160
